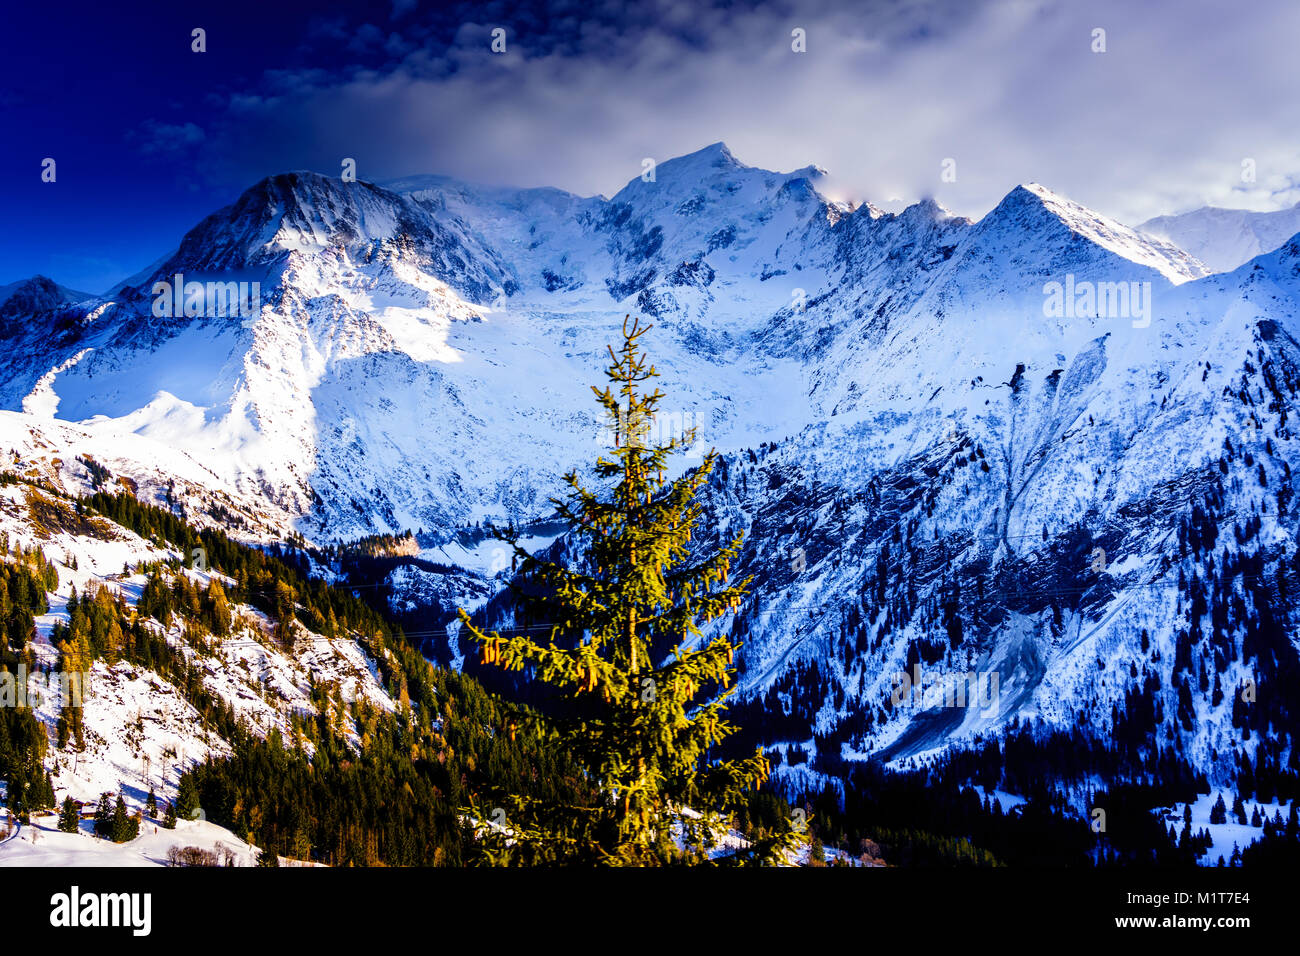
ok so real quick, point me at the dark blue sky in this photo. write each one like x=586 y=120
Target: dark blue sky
x=114 y=93
x=150 y=137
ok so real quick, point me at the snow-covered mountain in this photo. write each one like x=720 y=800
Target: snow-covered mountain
x=1226 y=238
x=37 y=294
x=965 y=446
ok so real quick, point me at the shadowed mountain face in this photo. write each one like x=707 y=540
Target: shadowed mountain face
x=1041 y=450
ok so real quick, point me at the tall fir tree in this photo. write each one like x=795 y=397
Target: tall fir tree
x=187 y=798
x=47 y=799
x=104 y=817
x=644 y=704
x=123 y=826
x=68 y=821
x=1219 y=812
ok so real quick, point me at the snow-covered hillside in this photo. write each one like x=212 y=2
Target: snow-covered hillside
x=140 y=731
x=40 y=843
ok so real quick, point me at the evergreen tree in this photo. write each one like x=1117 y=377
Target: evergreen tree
x=123 y=827
x=268 y=857
x=151 y=804
x=187 y=798
x=1239 y=809
x=104 y=817
x=169 y=818
x=642 y=731
x=15 y=789
x=68 y=821
x=1219 y=812
x=816 y=853
x=218 y=607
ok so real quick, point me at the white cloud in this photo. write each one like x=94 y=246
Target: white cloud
x=1011 y=90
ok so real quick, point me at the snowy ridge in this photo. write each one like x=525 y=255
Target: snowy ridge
x=915 y=442
x=1226 y=238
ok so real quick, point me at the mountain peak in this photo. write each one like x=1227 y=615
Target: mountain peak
x=1033 y=207
x=1033 y=193
x=927 y=208
x=300 y=209
x=37 y=294
x=705 y=162
x=716 y=154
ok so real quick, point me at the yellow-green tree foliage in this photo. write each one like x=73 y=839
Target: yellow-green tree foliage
x=641 y=728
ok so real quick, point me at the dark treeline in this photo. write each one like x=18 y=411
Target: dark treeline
x=935 y=816
x=23 y=745
x=394 y=802
x=25 y=577
x=281 y=589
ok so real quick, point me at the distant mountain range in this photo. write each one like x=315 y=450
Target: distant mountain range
x=1226 y=238
x=1043 y=447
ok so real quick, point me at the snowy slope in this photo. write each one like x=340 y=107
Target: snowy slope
x=1226 y=238
x=41 y=843
x=912 y=436
x=993 y=449
x=139 y=730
